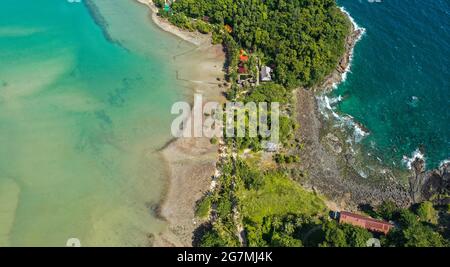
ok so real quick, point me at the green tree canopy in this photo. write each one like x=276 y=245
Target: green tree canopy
x=427 y=213
x=302 y=39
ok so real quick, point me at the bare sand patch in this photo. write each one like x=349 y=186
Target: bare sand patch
x=191 y=162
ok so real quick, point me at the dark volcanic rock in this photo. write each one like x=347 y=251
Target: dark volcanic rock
x=436 y=185
x=324 y=171
x=417 y=180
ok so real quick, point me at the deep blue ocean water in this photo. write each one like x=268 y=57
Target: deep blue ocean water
x=399 y=85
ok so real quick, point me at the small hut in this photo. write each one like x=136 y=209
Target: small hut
x=266 y=74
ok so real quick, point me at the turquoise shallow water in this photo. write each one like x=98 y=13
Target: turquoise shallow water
x=399 y=86
x=84 y=105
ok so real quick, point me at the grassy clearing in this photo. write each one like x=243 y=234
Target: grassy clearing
x=279 y=195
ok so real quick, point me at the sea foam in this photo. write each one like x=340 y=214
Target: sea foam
x=360 y=36
x=408 y=161
x=327 y=105
x=444 y=162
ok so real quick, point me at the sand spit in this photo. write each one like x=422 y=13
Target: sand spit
x=191 y=162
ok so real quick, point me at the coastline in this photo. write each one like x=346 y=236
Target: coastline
x=163 y=24
x=190 y=162
x=328 y=167
x=339 y=74
x=346 y=174
x=329 y=162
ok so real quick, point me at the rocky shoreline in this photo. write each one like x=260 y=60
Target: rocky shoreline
x=330 y=164
x=430 y=185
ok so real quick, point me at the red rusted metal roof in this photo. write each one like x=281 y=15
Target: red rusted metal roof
x=365 y=222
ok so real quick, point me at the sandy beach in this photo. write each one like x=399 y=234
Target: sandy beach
x=190 y=161
x=192 y=37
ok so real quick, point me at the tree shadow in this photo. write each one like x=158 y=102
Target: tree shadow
x=369 y=210
x=199 y=232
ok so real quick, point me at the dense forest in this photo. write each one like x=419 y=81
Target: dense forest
x=302 y=39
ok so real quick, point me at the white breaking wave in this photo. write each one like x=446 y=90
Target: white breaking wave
x=325 y=103
x=444 y=162
x=358 y=132
x=351 y=53
x=327 y=108
x=408 y=161
x=363 y=32
x=355 y=25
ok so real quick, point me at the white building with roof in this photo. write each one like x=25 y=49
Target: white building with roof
x=266 y=74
